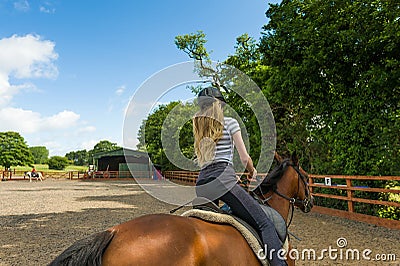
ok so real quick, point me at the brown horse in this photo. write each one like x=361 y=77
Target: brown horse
x=164 y=239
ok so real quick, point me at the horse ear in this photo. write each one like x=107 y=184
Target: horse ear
x=295 y=159
x=278 y=157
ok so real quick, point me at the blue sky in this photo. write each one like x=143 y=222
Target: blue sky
x=69 y=68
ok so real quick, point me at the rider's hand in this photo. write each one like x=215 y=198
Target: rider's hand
x=255 y=173
x=252 y=175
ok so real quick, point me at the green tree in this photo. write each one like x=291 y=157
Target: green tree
x=232 y=81
x=178 y=133
x=193 y=45
x=58 y=162
x=103 y=145
x=80 y=157
x=14 y=150
x=336 y=66
x=247 y=58
x=40 y=154
x=335 y=70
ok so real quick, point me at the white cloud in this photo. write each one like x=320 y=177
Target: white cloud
x=16 y=119
x=47 y=7
x=47 y=10
x=21 y=5
x=89 y=145
x=54 y=147
x=28 y=56
x=120 y=90
x=27 y=122
x=62 y=120
x=87 y=129
x=24 y=57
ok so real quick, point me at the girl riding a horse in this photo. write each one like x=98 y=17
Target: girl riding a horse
x=215 y=138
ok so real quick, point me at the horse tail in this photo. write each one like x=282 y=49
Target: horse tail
x=87 y=251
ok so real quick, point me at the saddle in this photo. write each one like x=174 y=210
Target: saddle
x=208 y=211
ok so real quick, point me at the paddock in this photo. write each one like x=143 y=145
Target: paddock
x=38 y=220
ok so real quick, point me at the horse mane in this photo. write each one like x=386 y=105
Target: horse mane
x=271 y=180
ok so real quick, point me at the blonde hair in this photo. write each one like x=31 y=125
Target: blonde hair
x=208 y=125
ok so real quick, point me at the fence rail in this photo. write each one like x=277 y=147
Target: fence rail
x=10 y=174
x=190 y=178
x=121 y=174
x=348 y=188
x=19 y=174
x=182 y=176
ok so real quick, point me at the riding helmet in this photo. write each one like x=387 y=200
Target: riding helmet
x=210 y=93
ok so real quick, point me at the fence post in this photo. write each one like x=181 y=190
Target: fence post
x=350 y=194
x=311 y=182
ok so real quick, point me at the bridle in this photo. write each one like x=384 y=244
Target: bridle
x=296 y=201
x=306 y=203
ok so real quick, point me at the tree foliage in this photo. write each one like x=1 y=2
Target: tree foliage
x=40 y=154
x=336 y=74
x=193 y=45
x=80 y=157
x=103 y=145
x=84 y=157
x=178 y=135
x=13 y=150
x=58 y=162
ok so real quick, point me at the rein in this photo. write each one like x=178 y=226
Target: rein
x=293 y=201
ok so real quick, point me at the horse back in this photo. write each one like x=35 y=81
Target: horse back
x=162 y=239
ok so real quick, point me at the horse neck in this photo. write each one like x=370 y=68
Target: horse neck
x=287 y=187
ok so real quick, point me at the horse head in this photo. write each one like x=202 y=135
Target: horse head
x=289 y=181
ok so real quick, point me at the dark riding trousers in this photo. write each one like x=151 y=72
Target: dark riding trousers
x=218 y=181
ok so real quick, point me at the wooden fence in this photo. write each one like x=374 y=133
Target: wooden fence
x=190 y=178
x=9 y=174
x=121 y=174
x=19 y=175
x=333 y=183
x=182 y=176
x=348 y=188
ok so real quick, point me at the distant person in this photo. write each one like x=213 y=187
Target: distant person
x=34 y=173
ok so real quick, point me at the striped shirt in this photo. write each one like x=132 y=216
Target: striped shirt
x=224 y=148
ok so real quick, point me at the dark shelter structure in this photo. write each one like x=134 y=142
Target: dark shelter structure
x=123 y=163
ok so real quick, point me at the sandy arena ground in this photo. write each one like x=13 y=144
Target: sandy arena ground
x=39 y=220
